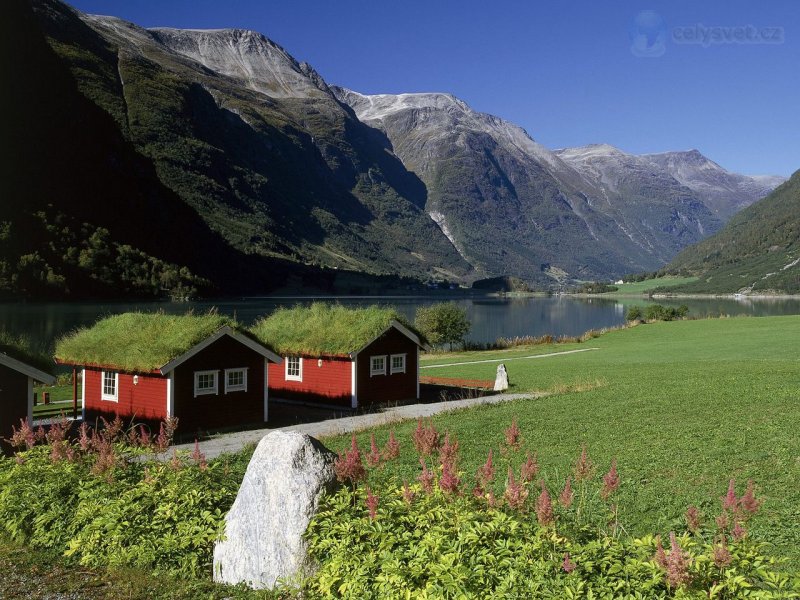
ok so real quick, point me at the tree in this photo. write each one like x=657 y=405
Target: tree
x=443 y=323
x=634 y=314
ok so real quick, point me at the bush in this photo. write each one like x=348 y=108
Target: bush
x=97 y=501
x=657 y=312
x=438 y=538
x=443 y=323
x=634 y=314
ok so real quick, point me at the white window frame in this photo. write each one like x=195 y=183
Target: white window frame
x=103 y=395
x=299 y=376
x=206 y=391
x=372 y=370
x=242 y=387
x=401 y=369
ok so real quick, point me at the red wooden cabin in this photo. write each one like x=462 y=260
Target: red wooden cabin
x=385 y=368
x=219 y=381
x=17 y=377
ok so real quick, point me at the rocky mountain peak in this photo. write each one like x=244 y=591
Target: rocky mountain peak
x=248 y=56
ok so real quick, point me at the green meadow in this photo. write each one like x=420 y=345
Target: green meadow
x=683 y=406
x=636 y=288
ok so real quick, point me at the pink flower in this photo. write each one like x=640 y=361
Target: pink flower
x=748 y=502
x=610 y=481
x=175 y=463
x=485 y=474
x=348 y=465
x=544 y=507
x=391 y=450
x=513 y=435
x=721 y=555
x=677 y=563
x=478 y=492
x=729 y=500
x=84 y=440
x=374 y=456
x=692 y=517
x=408 y=493
x=568 y=565
x=660 y=557
x=426 y=477
x=449 y=481
x=23 y=437
x=738 y=532
x=372 y=504
x=723 y=522
x=530 y=468
x=448 y=453
x=515 y=493
x=198 y=457
x=567 y=495
x=425 y=438
x=144 y=436
x=584 y=469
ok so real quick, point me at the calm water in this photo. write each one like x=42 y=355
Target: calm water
x=490 y=317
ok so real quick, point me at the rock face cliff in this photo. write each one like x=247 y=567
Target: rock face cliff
x=589 y=212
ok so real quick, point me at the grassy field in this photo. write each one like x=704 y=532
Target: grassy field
x=637 y=288
x=684 y=406
x=60 y=400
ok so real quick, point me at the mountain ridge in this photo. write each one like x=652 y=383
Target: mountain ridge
x=275 y=164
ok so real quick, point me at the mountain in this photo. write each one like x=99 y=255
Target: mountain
x=513 y=207
x=152 y=161
x=247 y=160
x=758 y=251
x=723 y=192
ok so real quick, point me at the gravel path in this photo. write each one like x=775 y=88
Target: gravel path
x=233 y=442
x=503 y=360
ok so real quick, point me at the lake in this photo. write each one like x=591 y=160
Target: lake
x=491 y=317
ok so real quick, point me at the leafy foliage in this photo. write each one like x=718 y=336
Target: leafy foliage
x=430 y=541
x=443 y=323
x=99 y=504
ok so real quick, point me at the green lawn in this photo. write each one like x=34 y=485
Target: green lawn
x=60 y=400
x=684 y=406
x=641 y=287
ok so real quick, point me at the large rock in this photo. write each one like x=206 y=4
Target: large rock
x=501 y=380
x=279 y=495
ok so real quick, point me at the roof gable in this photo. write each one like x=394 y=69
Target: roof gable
x=26 y=369
x=399 y=327
x=224 y=331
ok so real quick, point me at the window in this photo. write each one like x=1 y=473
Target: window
x=205 y=382
x=110 y=386
x=235 y=380
x=398 y=364
x=294 y=368
x=377 y=365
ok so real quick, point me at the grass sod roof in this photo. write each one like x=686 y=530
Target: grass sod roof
x=138 y=341
x=20 y=349
x=325 y=329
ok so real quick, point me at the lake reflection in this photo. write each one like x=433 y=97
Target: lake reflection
x=491 y=317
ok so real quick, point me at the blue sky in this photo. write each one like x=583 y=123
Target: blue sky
x=570 y=73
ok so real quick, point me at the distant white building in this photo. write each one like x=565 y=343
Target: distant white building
x=620 y=282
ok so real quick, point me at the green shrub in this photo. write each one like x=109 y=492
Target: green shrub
x=443 y=323
x=98 y=502
x=634 y=314
x=444 y=546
